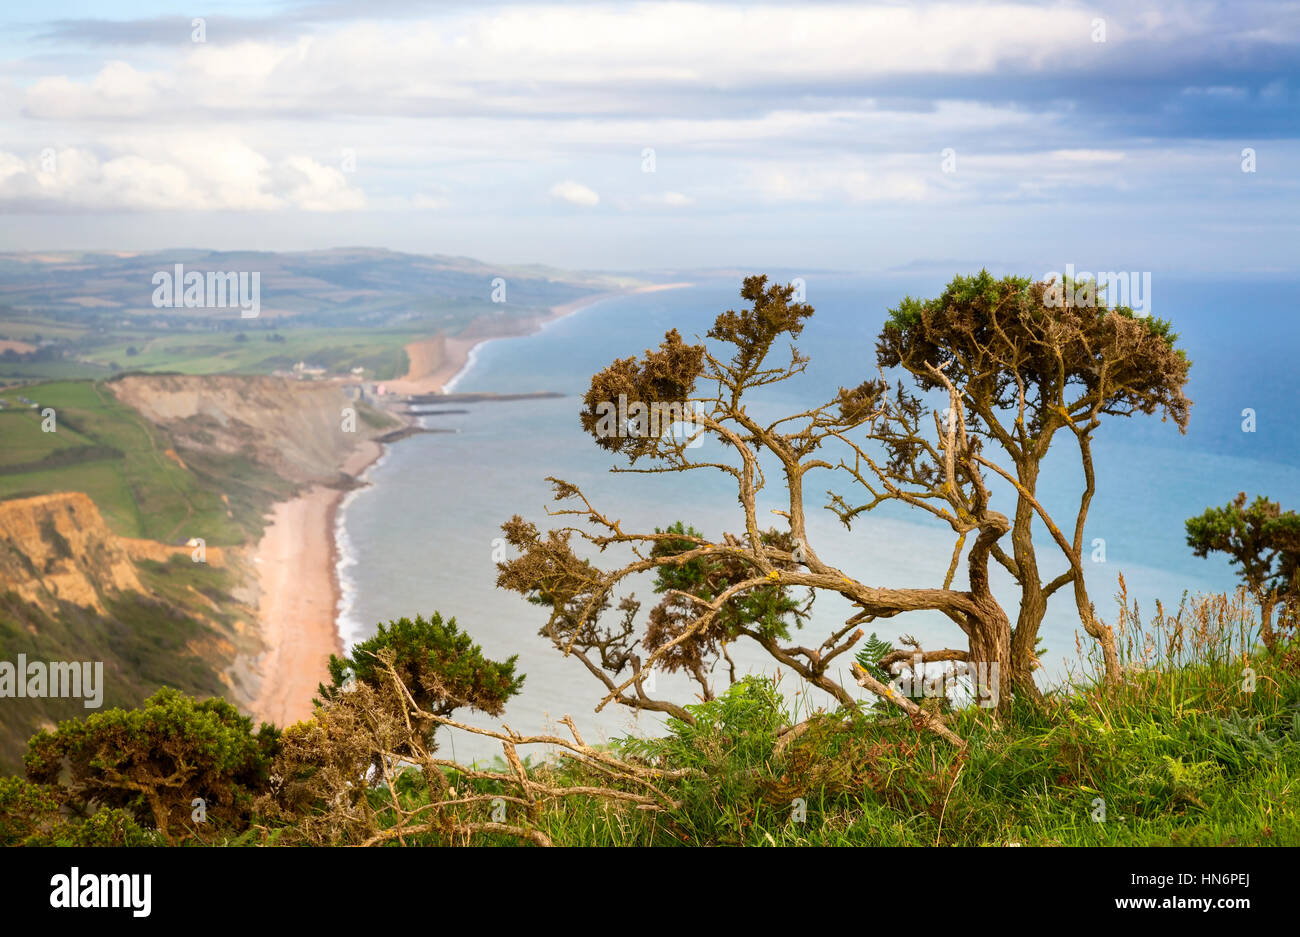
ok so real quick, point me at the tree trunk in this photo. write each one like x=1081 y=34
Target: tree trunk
x=988 y=630
x=989 y=642
x=160 y=815
x=1266 y=633
x=1033 y=605
x=1099 y=630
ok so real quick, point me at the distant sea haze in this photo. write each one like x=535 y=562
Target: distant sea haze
x=420 y=537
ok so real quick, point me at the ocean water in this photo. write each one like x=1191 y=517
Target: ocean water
x=420 y=537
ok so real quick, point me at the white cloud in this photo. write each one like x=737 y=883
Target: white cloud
x=178 y=172
x=118 y=90
x=575 y=193
x=308 y=185
x=559 y=60
x=670 y=199
x=462 y=113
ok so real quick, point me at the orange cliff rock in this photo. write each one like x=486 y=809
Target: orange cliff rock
x=58 y=547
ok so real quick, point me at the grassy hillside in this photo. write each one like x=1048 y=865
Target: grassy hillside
x=110 y=452
x=1213 y=768
x=251 y=350
x=182 y=633
x=1182 y=753
x=15 y=372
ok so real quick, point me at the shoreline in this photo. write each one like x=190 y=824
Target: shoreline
x=298 y=559
x=338 y=531
x=296 y=563
x=455 y=354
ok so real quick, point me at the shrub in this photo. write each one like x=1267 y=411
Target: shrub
x=153 y=762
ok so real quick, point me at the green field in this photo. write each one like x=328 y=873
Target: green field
x=111 y=453
x=100 y=343
x=28 y=372
x=93 y=314
x=379 y=351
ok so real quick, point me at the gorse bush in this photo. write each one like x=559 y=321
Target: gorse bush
x=442 y=667
x=156 y=761
x=31 y=815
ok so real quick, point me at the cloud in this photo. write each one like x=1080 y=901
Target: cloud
x=310 y=186
x=669 y=199
x=1088 y=156
x=816 y=116
x=176 y=173
x=118 y=90
x=575 y=193
x=847 y=182
x=674 y=59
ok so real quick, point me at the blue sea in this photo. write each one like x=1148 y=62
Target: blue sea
x=420 y=537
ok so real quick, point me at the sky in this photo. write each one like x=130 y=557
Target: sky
x=873 y=138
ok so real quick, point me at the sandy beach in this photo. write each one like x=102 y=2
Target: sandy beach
x=434 y=362
x=296 y=562
x=297 y=558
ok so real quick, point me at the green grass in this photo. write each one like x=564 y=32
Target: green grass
x=116 y=457
x=1186 y=751
x=1223 y=772
x=1201 y=748
x=369 y=335
x=379 y=351
x=19 y=372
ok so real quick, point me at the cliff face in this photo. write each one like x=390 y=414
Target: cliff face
x=296 y=428
x=57 y=547
x=72 y=590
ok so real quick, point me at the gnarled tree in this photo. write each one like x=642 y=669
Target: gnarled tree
x=883 y=440
x=1263 y=542
x=1030 y=360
